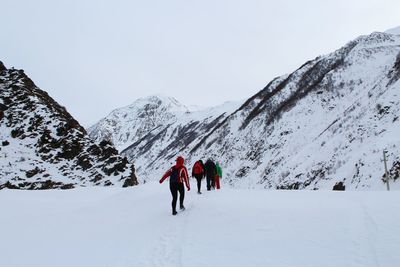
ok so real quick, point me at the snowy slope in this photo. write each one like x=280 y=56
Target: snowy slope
x=157 y=128
x=328 y=121
x=43 y=147
x=127 y=125
x=133 y=227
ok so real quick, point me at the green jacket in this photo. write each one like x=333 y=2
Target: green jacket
x=219 y=169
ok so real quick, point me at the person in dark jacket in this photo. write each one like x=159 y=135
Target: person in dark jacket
x=178 y=175
x=210 y=174
x=198 y=173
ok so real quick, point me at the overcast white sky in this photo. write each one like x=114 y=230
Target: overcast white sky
x=93 y=56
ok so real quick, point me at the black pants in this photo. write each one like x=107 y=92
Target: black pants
x=210 y=182
x=198 y=178
x=175 y=187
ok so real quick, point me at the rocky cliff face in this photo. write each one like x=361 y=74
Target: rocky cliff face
x=43 y=147
x=328 y=121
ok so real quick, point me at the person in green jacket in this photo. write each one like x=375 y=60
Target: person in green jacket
x=218 y=176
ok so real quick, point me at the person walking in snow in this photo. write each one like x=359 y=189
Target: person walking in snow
x=177 y=176
x=198 y=173
x=218 y=176
x=210 y=173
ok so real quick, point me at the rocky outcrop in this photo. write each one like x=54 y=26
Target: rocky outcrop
x=44 y=147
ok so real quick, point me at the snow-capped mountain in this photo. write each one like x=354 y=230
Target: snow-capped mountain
x=127 y=125
x=43 y=147
x=328 y=121
x=157 y=128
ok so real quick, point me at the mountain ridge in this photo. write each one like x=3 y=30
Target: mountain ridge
x=295 y=132
x=44 y=147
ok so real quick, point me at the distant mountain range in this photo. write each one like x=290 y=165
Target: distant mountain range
x=157 y=127
x=326 y=122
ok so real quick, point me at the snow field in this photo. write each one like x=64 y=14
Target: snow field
x=134 y=227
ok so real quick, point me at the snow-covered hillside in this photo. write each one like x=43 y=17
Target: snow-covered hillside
x=134 y=227
x=127 y=125
x=326 y=122
x=43 y=147
x=157 y=128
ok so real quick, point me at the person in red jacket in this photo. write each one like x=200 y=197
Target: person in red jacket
x=198 y=173
x=177 y=176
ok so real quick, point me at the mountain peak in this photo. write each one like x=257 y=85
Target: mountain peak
x=44 y=147
x=157 y=97
x=2 y=67
x=161 y=101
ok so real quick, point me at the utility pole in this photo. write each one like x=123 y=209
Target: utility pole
x=386 y=170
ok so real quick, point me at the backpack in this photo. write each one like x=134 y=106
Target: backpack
x=210 y=168
x=197 y=168
x=174 y=177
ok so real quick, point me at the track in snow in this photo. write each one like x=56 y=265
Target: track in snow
x=134 y=227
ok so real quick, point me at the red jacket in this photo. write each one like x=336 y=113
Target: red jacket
x=183 y=174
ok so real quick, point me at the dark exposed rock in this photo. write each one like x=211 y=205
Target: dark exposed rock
x=55 y=137
x=84 y=162
x=70 y=150
x=97 y=178
x=339 y=186
x=3 y=107
x=108 y=183
x=116 y=168
x=9 y=186
x=107 y=150
x=15 y=133
x=394 y=172
x=132 y=180
x=94 y=150
x=2 y=67
x=33 y=172
x=394 y=74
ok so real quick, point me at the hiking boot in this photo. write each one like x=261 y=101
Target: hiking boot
x=174 y=212
x=182 y=207
x=199 y=193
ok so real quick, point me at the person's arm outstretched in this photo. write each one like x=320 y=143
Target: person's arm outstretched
x=167 y=174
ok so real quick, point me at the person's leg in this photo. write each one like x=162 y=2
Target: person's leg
x=208 y=183
x=198 y=184
x=174 y=193
x=213 y=182
x=217 y=182
x=181 y=189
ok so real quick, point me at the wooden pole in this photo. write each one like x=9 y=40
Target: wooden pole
x=386 y=170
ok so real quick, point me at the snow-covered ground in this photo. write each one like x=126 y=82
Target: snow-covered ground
x=134 y=227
